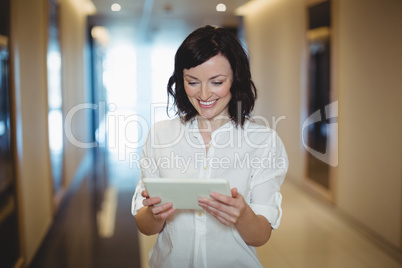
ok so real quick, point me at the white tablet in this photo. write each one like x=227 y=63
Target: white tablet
x=184 y=193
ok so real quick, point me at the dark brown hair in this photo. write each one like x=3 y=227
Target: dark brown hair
x=201 y=45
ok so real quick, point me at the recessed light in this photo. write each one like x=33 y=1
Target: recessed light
x=221 y=7
x=115 y=7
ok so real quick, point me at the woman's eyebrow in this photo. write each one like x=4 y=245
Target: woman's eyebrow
x=213 y=77
x=216 y=76
x=193 y=77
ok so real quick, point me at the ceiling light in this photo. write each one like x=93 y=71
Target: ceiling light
x=89 y=8
x=115 y=7
x=251 y=7
x=221 y=7
x=101 y=34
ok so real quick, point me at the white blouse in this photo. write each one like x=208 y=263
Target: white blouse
x=252 y=158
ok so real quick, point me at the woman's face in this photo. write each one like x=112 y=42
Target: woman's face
x=208 y=87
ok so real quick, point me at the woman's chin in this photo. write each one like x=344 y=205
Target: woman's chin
x=207 y=115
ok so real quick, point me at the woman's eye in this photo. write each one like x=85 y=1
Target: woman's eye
x=192 y=83
x=217 y=83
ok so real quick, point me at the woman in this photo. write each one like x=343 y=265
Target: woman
x=213 y=137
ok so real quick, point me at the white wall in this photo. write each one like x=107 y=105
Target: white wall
x=29 y=79
x=367 y=82
x=369 y=68
x=28 y=41
x=275 y=33
x=73 y=31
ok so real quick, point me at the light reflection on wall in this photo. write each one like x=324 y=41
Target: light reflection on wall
x=127 y=121
x=54 y=79
x=119 y=76
x=162 y=68
x=55 y=103
x=56 y=131
x=55 y=115
x=2 y=128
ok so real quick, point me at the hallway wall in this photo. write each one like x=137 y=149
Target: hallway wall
x=369 y=181
x=28 y=46
x=367 y=84
x=28 y=55
x=73 y=41
x=275 y=32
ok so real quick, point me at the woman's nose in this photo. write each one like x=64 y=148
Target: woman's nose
x=205 y=93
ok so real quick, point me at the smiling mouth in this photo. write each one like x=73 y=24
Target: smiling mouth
x=207 y=104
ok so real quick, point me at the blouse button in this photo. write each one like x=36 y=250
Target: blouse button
x=205 y=167
x=199 y=214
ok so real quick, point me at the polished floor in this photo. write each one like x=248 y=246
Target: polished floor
x=94 y=228
x=312 y=234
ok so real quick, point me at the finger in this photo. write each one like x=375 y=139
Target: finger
x=222 y=217
x=145 y=193
x=223 y=221
x=216 y=204
x=161 y=209
x=167 y=213
x=151 y=201
x=223 y=198
x=234 y=192
x=230 y=213
x=219 y=209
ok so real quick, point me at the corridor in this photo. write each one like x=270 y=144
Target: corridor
x=311 y=235
x=83 y=81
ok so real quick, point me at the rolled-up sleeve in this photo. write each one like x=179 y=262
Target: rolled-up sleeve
x=266 y=199
x=149 y=169
x=136 y=202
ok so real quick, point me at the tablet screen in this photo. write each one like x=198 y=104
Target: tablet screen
x=184 y=193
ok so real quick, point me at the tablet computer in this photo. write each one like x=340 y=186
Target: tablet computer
x=184 y=193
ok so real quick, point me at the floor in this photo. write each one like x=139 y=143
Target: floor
x=94 y=228
x=312 y=234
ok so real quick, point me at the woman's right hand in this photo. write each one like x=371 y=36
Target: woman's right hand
x=161 y=212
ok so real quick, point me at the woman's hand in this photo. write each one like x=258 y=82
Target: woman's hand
x=227 y=210
x=254 y=229
x=159 y=213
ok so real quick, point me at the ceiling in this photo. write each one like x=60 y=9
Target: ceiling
x=152 y=18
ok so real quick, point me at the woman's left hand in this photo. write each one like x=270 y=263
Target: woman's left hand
x=227 y=210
